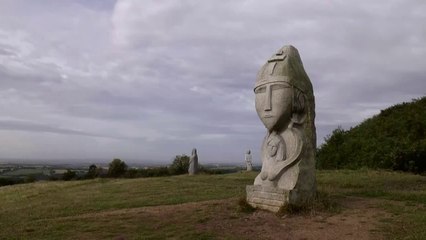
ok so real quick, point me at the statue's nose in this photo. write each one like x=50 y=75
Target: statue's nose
x=268 y=106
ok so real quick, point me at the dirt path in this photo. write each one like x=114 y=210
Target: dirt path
x=359 y=219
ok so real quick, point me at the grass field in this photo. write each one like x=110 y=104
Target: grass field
x=406 y=192
x=131 y=208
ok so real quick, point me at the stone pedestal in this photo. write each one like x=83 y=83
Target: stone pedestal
x=268 y=198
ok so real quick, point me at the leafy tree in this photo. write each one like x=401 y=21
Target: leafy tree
x=93 y=172
x=69 y=175
x=117 y=168
x=180 y=164
x=334 y=143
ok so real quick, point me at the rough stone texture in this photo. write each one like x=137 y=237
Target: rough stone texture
x=193 y=163
x=248 y=160
x=285 y=104
x=268 y=198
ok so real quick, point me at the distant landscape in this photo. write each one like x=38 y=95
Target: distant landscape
x=370 y=185
x=395 y=139
x=13 y=173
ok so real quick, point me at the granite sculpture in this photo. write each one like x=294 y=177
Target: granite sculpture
x=285 y=104
x=248 y=160
x=193 y=163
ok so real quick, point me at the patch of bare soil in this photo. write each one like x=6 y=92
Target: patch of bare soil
x=359 y=219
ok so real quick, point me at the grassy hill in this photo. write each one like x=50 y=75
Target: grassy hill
x=373 y=203
x=394 y=139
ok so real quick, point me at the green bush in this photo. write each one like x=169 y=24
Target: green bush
x=180 y=165
x=117 y=168
x=10 y=181
x=93 y=172
x=394 y=139
x=69 y=175
x=148 y=172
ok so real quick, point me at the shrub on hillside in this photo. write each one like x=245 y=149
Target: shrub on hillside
x=180 y=164
x=394 y=139
x=155 y=172
x=147 y=172
x=69 y=175
x=10 y=181
x=93 y=172
x=117 y=168
x=30 y=179
x=411 y=160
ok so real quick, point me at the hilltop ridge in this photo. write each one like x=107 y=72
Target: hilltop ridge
x=393 y=139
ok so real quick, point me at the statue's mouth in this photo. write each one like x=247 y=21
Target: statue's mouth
x=268 y=116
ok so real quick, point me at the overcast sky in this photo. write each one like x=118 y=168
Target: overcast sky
x=148 y=79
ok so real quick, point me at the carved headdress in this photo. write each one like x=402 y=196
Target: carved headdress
x=285 y=66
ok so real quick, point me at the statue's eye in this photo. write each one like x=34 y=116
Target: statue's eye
x=260 y=90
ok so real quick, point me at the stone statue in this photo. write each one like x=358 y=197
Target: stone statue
x=193 y=163
x=285 y=104
x=248 y=159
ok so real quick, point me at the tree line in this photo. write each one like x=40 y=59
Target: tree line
x=117 y=168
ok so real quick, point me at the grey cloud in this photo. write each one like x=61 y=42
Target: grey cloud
x=5 y=51
x=163 y=77
x=37 y=127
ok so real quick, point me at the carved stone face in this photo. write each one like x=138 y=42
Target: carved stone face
x=274 y=104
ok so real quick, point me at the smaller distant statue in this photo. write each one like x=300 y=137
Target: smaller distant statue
x=193 y=162
x=248 y=159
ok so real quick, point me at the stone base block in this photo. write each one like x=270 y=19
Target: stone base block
x=270 y=198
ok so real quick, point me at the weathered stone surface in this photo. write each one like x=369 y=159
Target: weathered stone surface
x=268 y=198
x=193 y=163
x=248 y=159
x=285 y=104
